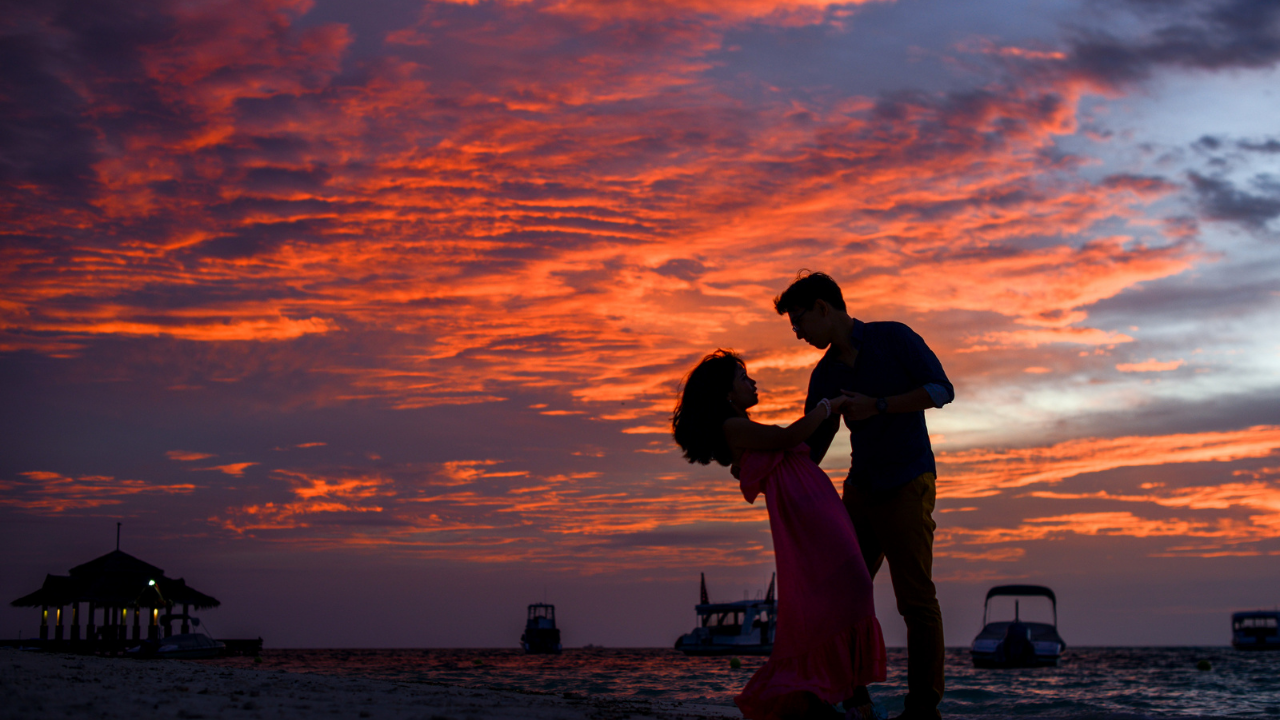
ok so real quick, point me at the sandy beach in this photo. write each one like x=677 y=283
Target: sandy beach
x=47 y=685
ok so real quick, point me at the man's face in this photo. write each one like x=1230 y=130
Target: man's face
x=811 y=326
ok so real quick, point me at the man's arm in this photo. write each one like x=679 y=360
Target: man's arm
x=922 y=365
x=820 y=441
x=862 y=406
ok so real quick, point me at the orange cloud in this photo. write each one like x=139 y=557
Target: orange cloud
x=1097 y=523
x=186 y=455
x=465 y=472
x=49 y=493
x=319 y=499
x=779 y=11
x=577 y=520
x=985 y=472
x=1259 y=496
x=236 y=469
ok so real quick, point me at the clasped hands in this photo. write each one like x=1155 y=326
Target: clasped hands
x=853 y=406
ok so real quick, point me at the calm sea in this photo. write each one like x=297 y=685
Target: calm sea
x=1090 y=683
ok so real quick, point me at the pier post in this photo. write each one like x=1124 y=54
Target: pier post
x=122 y=632
x=57 y=630
x=186 y=619
x=75 y=621
x=44 y=622
x=137 y=626
x=153 y=630
x=91 y=630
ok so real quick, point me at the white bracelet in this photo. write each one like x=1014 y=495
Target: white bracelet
x=826 y=405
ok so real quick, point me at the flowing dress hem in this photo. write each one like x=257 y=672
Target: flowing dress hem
x=831 y=671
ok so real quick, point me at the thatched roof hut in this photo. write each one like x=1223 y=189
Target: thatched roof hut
x=116 y=582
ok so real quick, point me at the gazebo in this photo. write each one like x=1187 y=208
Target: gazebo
x=116 y=583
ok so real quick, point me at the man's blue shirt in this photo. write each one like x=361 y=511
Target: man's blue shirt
x=892 y=449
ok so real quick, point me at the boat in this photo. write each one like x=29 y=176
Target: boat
x=1255 y=630
x=1017 y=643
x=745 y=627
x=540 y=633
x=183 y=646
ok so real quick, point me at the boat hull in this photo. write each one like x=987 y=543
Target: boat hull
x=191 y=646
x=541 y=641
x=1257 y=644
x=1017 y=645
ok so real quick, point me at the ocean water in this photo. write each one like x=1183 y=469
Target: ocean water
x=1128 y=683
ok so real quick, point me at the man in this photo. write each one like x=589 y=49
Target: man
x=891 y=376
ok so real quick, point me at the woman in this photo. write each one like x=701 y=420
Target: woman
x=827 y=645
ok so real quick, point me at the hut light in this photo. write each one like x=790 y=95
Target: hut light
x=151 y=582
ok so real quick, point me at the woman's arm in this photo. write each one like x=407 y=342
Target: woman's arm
x=744 y=434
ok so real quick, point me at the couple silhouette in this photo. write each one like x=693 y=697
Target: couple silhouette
x=878 y=377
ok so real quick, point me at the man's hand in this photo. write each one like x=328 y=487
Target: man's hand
x=858 y=407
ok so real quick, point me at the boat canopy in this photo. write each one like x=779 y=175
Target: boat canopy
x=542 y=610
x=1023 y=591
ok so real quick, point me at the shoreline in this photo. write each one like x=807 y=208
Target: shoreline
x=47 y=684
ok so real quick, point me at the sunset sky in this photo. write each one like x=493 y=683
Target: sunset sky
x=368 y=318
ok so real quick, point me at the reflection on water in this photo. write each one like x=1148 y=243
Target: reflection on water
x=1091 y=682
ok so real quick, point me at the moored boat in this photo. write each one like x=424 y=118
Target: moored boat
x=541 y=636
x=1255 y=630
x=1017 y=643
x=182 y=646
x=745 y=627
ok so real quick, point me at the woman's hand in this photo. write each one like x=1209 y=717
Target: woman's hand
x=838 y=404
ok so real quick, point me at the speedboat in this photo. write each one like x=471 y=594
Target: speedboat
x=183 y=646
x=1017 y=643
x=540 y=633
x=745 y=627
x=1256 y=630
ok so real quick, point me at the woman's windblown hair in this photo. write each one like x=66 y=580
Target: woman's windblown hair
x=698 y=422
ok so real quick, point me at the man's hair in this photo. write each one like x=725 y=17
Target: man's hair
x=807 y=289
x=698 y=422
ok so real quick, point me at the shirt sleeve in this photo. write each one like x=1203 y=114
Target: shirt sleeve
x=820 y=441
x=937 y=394
x=924 y=367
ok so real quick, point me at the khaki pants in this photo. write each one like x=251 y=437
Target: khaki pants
x=897 y=525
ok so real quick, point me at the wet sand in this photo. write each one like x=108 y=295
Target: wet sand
x=46 y=685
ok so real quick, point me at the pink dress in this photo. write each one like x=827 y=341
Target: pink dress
x=828 y=640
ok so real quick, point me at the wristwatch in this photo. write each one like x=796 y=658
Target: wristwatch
x=882 y=406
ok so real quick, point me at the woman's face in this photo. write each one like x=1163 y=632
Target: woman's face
x=742 y=394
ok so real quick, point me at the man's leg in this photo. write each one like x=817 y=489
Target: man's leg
x=859 y=509
x=904 y=524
